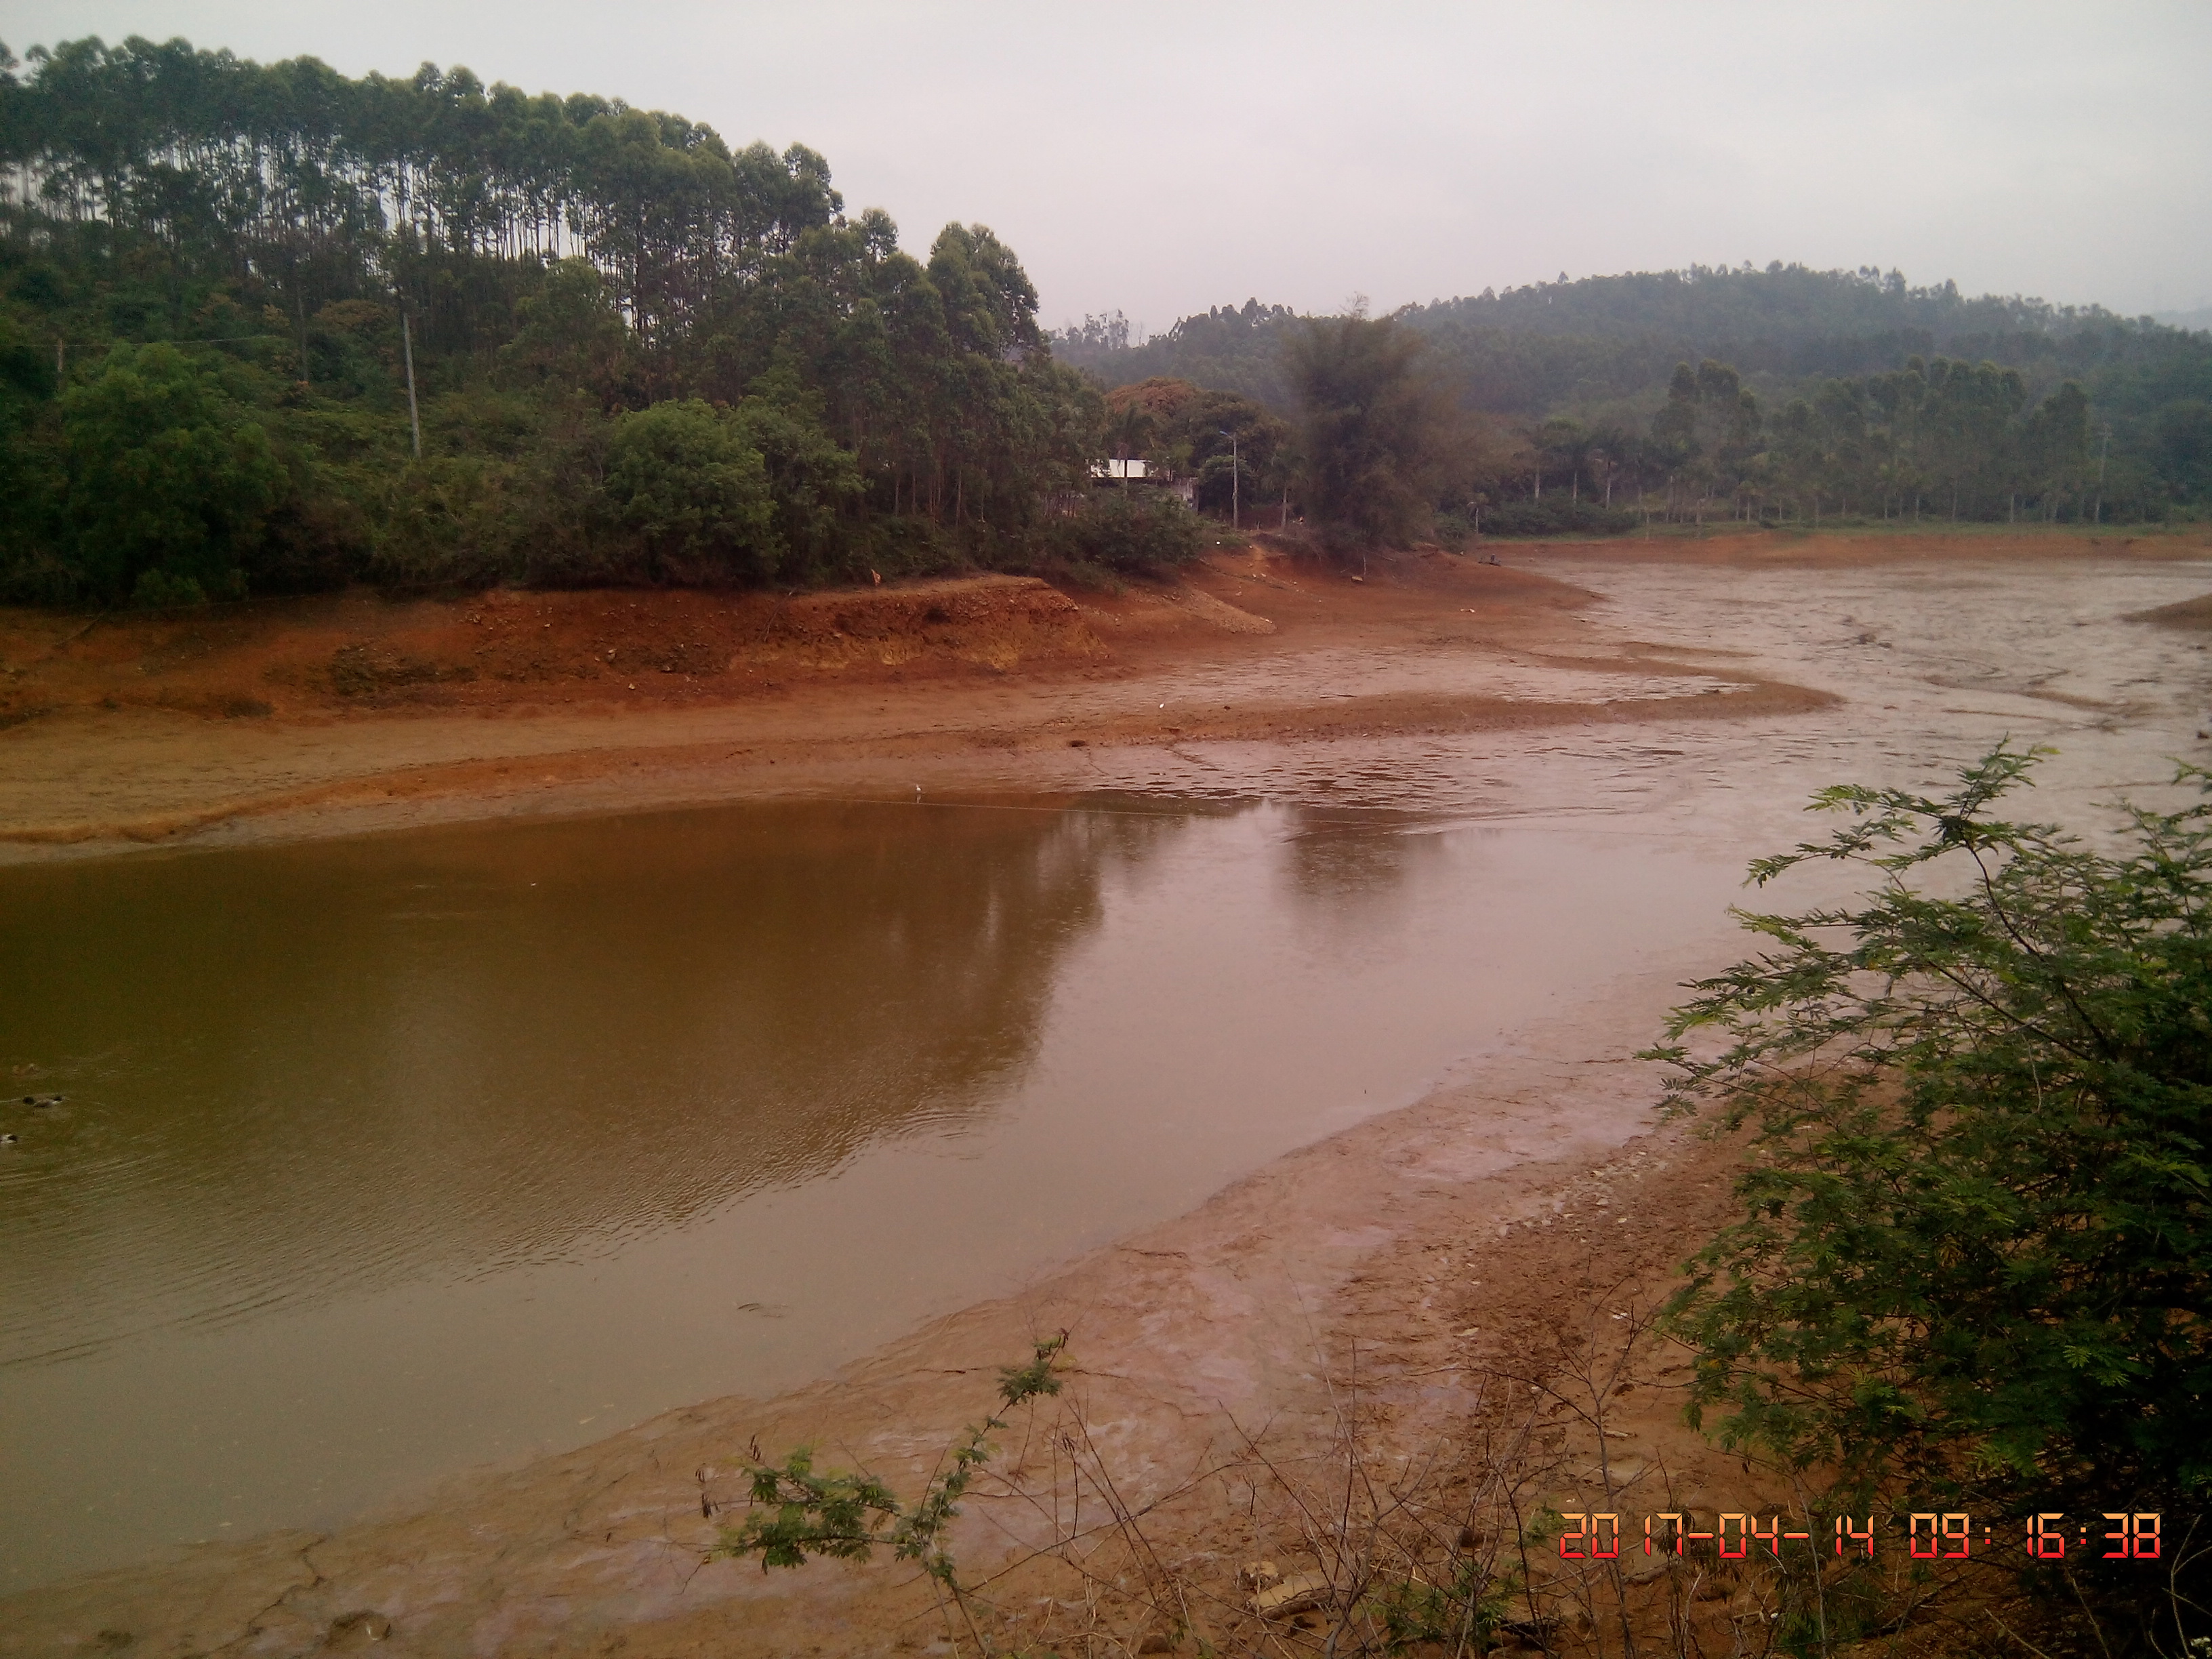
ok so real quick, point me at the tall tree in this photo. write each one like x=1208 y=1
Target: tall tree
x=1378 y=432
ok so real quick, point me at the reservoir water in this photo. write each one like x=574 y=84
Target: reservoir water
x=386 y=1158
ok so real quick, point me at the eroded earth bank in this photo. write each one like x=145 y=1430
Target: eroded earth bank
x=1439 y=1311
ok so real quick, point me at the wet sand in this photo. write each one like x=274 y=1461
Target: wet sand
x=1688 y=695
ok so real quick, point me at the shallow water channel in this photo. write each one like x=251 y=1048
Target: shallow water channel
x=386 y=1158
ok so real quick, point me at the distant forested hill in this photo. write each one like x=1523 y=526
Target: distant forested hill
x=1230 y=349
x=1599 y=356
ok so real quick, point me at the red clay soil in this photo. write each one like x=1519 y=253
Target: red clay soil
x=129 y=728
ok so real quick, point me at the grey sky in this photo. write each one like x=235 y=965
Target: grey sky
x=1164 y=158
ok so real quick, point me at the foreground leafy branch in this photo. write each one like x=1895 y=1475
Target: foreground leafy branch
x=1976 y=1251
x=797 y=1513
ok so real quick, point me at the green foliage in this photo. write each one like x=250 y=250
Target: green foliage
x=1234 y=451
x=1378 y=435
x=1709 y=417
x=571 y=335
x=796 y=1514
x=165 y=477
x=687 y=480
x=1129 y=530
x=159 y=590
x=1465 y=1611
x=31 y=480
x=566 y=264
x=1555 y=515
x=2185 y=448
x=1846 y=344
x=470 y=519
x=1977 y=1243
x=1234 y=348
x=811 y=481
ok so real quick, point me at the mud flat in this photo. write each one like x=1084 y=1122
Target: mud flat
x=353 y=712
x=1396 y=1275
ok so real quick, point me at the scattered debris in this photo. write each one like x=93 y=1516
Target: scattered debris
x=1302 y=1592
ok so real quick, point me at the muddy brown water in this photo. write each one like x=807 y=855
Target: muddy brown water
x=386 y=1158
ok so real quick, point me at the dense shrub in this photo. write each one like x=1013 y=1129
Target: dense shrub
x=696 y=492
x=1975 y=1252
x=1128 y=530
x=1556 y=516
x=168 y=484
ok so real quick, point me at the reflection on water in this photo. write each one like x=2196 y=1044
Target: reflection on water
x=1334 y=862
x=387 y=1157
x=317 y=1069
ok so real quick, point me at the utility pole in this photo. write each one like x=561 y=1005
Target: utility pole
x=1236 y=480
x=61 y=365
x=407 y=348
x=2103 y=451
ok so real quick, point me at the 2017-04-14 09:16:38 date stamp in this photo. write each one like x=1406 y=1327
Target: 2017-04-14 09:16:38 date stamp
x=1928 y=1535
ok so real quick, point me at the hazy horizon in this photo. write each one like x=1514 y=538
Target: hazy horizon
x=1158 y=164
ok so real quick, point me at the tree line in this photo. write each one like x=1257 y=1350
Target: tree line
x=1718 y=391
x=1945 y=439
x=268 y=326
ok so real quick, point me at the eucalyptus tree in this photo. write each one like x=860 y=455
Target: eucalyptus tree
x=545 y=267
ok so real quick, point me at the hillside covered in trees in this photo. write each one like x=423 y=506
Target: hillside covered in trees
x=637 y=354
x=1718 y=390
x=268 y=329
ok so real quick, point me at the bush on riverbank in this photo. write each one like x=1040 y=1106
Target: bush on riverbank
x=1976 y=1244
x=1128 y=531
x=1554 y=517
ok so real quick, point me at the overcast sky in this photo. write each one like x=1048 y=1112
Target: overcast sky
x=1160 y=159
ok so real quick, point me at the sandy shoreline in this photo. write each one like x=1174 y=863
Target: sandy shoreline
x=1412 y=1249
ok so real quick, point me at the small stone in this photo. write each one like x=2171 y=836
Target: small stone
x=1302 y=1592
x=355 y=1629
